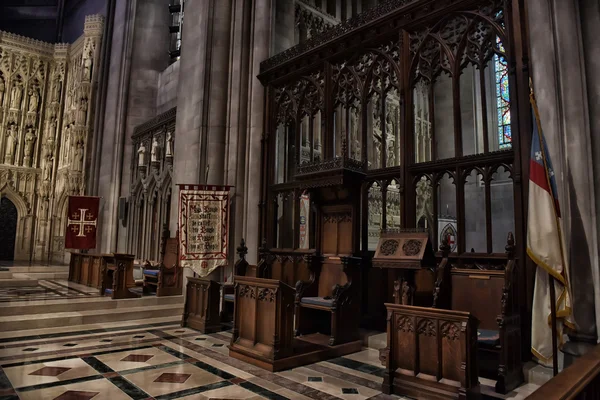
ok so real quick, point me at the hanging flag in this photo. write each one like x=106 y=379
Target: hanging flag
x=82 y=222
x=545 y=246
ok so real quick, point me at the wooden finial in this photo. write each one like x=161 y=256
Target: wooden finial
x=242 y=250
x=510 y=246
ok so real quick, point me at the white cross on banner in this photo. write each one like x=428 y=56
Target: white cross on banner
x=82 y=221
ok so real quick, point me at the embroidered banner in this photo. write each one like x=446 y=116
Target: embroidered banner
x=203 y=227
x=82 y=222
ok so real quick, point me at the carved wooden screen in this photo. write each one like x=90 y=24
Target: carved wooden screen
x=461 y=168
x=422 y=100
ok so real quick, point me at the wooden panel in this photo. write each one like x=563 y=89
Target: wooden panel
x=201 y=311
x=331 y=274
x=329 y=241
x=262 y=326
x=405 y=346
x=428 y=346
x=452 y=351
x=85 y=270
x=445 y=343
x=345 y=235
x=480 y=293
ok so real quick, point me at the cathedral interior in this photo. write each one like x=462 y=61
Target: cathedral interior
x=374 y=160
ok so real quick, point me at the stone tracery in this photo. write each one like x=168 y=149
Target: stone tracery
x=38 y=119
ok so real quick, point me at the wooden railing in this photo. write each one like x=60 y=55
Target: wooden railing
x=580 y=381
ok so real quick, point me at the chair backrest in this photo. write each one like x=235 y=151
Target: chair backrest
x=480 y=293
x=332 y=273
x=171 y=254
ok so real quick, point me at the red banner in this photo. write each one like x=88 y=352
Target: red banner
x=82 y=222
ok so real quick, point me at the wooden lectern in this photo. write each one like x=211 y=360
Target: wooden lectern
x=263 y=330
x=404 y=253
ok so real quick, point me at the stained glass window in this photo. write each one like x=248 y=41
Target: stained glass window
x=502 y=99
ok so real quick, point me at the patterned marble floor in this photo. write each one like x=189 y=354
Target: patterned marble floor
x=46 y=289
x=164 y=361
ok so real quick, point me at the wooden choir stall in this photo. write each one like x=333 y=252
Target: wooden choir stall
x=110 y=273
x=165 y=277
x=396 y=134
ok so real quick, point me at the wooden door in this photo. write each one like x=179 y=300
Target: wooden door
x=8 y=230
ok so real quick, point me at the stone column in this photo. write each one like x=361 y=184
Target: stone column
x=260 y=45
x=559 y=77
x=235 y=173
x=140 y=52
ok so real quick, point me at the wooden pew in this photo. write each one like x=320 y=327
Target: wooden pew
x=165 y=277
x=263 y=322
x=86 y=269
x=485 y=286
x=579 y=381
x=328 y=302
x=118 y=276
x=430 y=353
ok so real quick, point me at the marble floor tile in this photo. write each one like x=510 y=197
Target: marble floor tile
x=329 y=384
x=155 y=383
x=367 y=356
x=47 y=372
x=133 y=359
x=103 y=389
x=229 y=392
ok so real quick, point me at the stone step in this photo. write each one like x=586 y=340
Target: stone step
x=17 y=283
x=83 y=304
x=40 y=275
x=59 y=319
x=40 y=269
x=34 y=334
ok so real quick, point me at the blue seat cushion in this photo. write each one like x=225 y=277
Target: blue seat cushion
x=229 y=297
x=488 y=337
x=317 y=301
x=107 y=291
x=151 y=272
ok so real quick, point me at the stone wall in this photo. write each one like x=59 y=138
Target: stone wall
x=167 y=88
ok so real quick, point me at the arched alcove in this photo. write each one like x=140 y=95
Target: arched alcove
x=9 y=217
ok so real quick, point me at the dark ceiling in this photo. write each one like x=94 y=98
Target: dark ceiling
x=38 y=19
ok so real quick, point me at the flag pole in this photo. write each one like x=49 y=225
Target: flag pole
x=554 y=327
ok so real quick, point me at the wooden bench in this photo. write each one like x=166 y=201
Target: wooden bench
x=328 y=303
x=430 y=353
x=485 y=286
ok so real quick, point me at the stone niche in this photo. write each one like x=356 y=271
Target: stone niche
x=46 y=116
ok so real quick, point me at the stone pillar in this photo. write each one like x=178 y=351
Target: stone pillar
x=261 y=35
x=559 y=75
x=139 y=53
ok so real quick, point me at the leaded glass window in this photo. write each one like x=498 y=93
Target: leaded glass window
x=502 y=99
